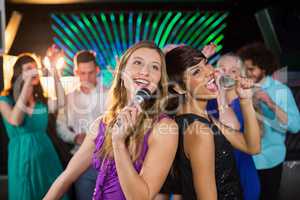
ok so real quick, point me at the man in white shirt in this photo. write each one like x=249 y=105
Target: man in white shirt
x=83 y=106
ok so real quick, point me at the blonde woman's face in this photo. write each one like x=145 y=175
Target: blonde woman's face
x=142 y=70
x=229 y=66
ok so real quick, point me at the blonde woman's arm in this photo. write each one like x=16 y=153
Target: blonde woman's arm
x=248 y=142
x=79 y=163
x=161 y=153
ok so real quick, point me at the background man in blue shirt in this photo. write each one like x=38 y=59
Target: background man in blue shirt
x=279 y=114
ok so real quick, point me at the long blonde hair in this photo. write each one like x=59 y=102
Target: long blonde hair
x=118 y=100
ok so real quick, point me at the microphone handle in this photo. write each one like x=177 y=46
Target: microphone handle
x=228 y=82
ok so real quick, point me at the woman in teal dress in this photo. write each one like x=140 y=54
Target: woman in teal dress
x=33 y=163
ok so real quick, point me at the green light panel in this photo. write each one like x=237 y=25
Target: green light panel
x=109 y=34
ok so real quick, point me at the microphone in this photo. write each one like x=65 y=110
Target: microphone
x=141 y=96
x=227 y=82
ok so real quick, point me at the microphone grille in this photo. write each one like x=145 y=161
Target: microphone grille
x=142 y=95
x=226 y=81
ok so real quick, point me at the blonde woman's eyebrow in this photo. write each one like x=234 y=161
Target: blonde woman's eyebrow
x=138 y=57
x=156 y=62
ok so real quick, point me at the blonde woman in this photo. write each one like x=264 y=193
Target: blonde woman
x=231 y=66
x=133 y=159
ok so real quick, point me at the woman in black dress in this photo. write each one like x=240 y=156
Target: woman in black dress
x=205 y=154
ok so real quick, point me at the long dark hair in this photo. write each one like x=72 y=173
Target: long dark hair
x=14 y=89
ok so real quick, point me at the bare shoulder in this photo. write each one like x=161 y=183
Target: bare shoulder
x=197 y=127
x=94 y=127
x=164 y=132
x=198 y=138
x=197 y=131
x=166 y=126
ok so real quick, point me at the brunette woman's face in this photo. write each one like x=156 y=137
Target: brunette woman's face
x=30 y=69
x=142 y=70
x=200 y=82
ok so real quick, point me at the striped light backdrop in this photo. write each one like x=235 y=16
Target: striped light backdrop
x=111 y=33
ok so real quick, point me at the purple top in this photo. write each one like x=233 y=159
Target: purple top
x=107 y=185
